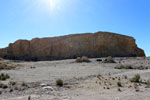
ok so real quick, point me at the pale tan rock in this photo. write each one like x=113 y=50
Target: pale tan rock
x=78 y=59
x=100 y=44
x=85 y=59
x=109 y=59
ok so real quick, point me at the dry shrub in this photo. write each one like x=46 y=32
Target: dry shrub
x=148 y=83
x=136 y=78
x=24 y=84
x=119 y=84
x=119 y=89
x=5 y=66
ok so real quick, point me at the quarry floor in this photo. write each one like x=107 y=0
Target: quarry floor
x=81 y=81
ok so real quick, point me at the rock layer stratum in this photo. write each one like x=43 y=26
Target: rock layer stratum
x=93 y=45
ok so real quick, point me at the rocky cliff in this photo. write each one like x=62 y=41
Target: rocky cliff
x=99 y=44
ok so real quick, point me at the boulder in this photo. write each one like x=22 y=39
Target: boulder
x=109 y=60
x=92 y=45
x=78 y=59
x=85 y=59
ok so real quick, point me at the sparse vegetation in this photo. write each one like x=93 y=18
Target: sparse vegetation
x=119 y=67
x=130 y=67
x=148 y=83
x=24 y=84
x=119 y=84
x=119 y=89
x=124 y=67
x=136 y=78
x=5 y=66
x=136 y=87
x=4 y=77
x=59 y=82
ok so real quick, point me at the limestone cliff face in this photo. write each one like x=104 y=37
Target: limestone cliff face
x=100 y=44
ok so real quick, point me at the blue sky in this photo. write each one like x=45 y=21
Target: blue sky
x=26 y=19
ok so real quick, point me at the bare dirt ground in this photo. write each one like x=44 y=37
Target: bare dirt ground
x=82 y=81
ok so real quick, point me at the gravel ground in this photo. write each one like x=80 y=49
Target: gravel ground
x=80 y=80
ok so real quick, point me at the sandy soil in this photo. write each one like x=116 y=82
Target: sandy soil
x=90 y=81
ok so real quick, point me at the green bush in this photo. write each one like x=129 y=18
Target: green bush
x=59 y=82
x=119 y=84
x=148 y=83
x=136 y=78
x=4 y=77
x=24 y=84
x=7 y=76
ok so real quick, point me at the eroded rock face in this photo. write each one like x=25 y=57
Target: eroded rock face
x=100 y=44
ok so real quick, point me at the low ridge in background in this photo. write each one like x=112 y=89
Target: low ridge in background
x=92 y=45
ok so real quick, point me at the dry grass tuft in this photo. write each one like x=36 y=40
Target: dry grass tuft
x=59 y=82
x=4 y=77
x=136 y=78
x=119 y=84
x=5 y=66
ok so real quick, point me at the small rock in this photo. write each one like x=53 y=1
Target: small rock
x=43 y=85
x=85 y=59
x=109 y=60
x=78 y=59
x=48 y=88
